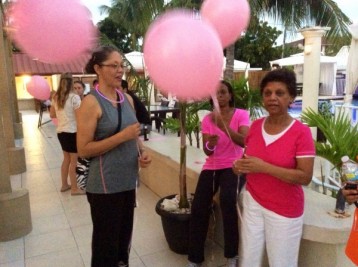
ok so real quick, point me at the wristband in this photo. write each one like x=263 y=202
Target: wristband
x=208 y=148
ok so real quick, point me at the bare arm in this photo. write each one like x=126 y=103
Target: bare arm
x=238 y=137
x=87 y=118
x=52 y=112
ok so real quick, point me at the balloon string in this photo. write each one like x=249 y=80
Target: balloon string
x=235 y=148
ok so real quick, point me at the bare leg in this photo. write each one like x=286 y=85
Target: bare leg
x=64 y=170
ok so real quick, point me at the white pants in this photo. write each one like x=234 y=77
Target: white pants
x=260 y=226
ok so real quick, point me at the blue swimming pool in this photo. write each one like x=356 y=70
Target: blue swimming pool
x=296 y=108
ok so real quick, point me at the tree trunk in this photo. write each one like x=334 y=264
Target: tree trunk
x=230 y=56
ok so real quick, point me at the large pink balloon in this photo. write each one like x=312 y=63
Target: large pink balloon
x=55 y=31
x=228 y=17
x=38 y=87
x=183 y=55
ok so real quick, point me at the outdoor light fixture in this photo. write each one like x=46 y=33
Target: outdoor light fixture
x=308 y=49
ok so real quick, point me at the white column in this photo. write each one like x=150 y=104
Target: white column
x=311 y=68
x=352 y=65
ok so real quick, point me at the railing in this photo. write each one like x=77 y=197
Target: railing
x=350 y=110
x=330 y=180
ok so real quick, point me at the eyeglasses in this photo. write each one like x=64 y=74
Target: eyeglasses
x=116 y=66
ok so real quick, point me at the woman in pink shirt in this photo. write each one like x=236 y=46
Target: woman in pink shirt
x=223 y=132
x=278 y=160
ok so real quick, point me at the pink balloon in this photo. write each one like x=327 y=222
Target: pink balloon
x=39 y=88
x=183 y=55
x=56 y=31
x=228 y=17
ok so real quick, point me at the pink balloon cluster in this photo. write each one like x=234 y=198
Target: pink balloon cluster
x=39 y=88
x=184 y=53
x=229 y=18
x=55 y=31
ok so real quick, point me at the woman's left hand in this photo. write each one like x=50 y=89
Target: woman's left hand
x=144 y=160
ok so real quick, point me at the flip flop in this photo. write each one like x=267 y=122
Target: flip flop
x=78 y=193
x=64 y=189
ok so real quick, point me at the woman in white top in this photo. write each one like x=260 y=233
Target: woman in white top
x=65 y=104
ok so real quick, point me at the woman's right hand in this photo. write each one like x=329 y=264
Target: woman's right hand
x=131 y=132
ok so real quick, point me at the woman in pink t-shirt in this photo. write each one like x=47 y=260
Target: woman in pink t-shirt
x=278 y=160
x=224 y=133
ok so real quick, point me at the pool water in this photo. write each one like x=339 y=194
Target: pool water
x=296 y=108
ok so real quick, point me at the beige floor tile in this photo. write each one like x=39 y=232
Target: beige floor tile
x=63 y=258
x=164 y=258
x=43 y=225
x=46 y=243
x=13 y=264
x=83 y=235
x=12 y=251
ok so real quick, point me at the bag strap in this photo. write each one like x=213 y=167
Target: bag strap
x=119 y=108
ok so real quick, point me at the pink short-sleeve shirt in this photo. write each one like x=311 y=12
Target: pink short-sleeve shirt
x=226 y=150
x=276 y=195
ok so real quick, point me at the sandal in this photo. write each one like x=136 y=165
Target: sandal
x=64 y=189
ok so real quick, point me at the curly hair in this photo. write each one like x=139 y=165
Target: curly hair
x=285 y=76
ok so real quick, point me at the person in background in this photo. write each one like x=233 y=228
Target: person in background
x=79 y=88
x=142 y=113
x=223 y=132
x=278 y=160
x=115 y=158
x=351 y=195
x=65 y=105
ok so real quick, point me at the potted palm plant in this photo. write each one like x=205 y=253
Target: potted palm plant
x=176 y=224
x=341 y=140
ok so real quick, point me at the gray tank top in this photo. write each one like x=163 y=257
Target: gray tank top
x=116 y=170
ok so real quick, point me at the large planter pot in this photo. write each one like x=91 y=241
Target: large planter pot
x=175 y=227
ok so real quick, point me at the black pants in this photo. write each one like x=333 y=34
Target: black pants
x=208 y=184
x=112 y=217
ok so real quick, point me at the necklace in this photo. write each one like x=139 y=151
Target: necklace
x=120 y=95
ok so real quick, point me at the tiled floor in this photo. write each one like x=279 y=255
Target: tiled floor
x=62 y=227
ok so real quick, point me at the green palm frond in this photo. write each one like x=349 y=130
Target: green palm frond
x=342 y=137
x=246 y=98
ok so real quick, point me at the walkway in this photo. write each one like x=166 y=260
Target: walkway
x=61 y=235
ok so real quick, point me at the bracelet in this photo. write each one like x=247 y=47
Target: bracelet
x=208 y=148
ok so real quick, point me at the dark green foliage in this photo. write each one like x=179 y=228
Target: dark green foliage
x=257 y=46
x=340 y=134
x=246 y=98
x=112 y=33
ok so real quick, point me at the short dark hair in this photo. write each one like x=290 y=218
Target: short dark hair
x=283 y=75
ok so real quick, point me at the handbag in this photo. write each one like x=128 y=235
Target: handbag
x=352 y=243
x=83 y=164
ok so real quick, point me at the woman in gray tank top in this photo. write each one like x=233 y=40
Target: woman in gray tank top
x=108 y=133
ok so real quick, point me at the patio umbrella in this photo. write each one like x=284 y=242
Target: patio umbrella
x=137 y=60
x=352 y=65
